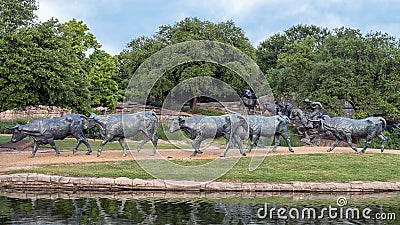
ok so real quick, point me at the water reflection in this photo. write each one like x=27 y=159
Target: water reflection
x=24 y=207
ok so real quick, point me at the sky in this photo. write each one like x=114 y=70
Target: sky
x=116 y=22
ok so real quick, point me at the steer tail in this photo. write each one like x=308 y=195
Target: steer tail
x=83 y=116
x=157 y=122
x=383 y=122
x=231 y=111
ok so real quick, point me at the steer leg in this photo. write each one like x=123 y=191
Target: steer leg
x=367 y=142
x=384 y=140
x=53 y=144
x=77 y=146
x=84 y=141
x=277 y=142
x=254 y=140
x=123 y=145
x=239 y=143
x=227 y=146
x=287 y=139
x=154 y=141
x=147 y=137
x=105 y=141
x=231 y=141
x=196 y=145
x=34 y=150
x=335 y=143
x=144 y=141
x=349 y=141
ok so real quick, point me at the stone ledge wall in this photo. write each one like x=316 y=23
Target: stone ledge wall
x=118 y=195
x=34 y=112
x=34 y=181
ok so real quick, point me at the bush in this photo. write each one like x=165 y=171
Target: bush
x=294 y=137
x=206 y=112
x=393 y=141
x=11 y=123
x=172 y=136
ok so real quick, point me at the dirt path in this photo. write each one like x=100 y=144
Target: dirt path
x=10 y=160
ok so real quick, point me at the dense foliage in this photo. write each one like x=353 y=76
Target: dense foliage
x=333 y=67
x=186 y=30
x=46 y=63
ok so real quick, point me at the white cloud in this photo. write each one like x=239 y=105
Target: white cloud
x=64 y=10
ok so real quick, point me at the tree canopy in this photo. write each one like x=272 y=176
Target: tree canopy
x=186 y=30
x=333 y=67
x=46 y=63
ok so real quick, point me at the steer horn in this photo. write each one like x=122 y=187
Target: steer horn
x=230 y=111
x=12 y=128
x=92 y=116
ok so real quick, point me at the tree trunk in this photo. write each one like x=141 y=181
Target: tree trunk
x=193 y=102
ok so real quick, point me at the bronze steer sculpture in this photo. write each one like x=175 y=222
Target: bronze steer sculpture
x=199 y=128
x=346 y=129
x=46 y=130
x=117 y=127
x=262 y=126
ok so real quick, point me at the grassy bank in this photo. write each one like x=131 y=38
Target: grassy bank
x=278 y=168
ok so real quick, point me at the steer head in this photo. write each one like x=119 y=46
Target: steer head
x=90 y=122
x=17 y=133
x=237 y=125
x=176 y=124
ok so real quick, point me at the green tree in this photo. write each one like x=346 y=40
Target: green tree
x=333 y=67
x=40 y=67
x=364 y=69
x=102 y=68
x=81 y=39
x=269 y=49
x=188 y=29
x=15 y=14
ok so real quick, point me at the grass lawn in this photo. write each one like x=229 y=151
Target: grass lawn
x=278 y=168
x=5 y=139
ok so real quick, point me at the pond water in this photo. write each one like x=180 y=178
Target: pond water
x=22 y=207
